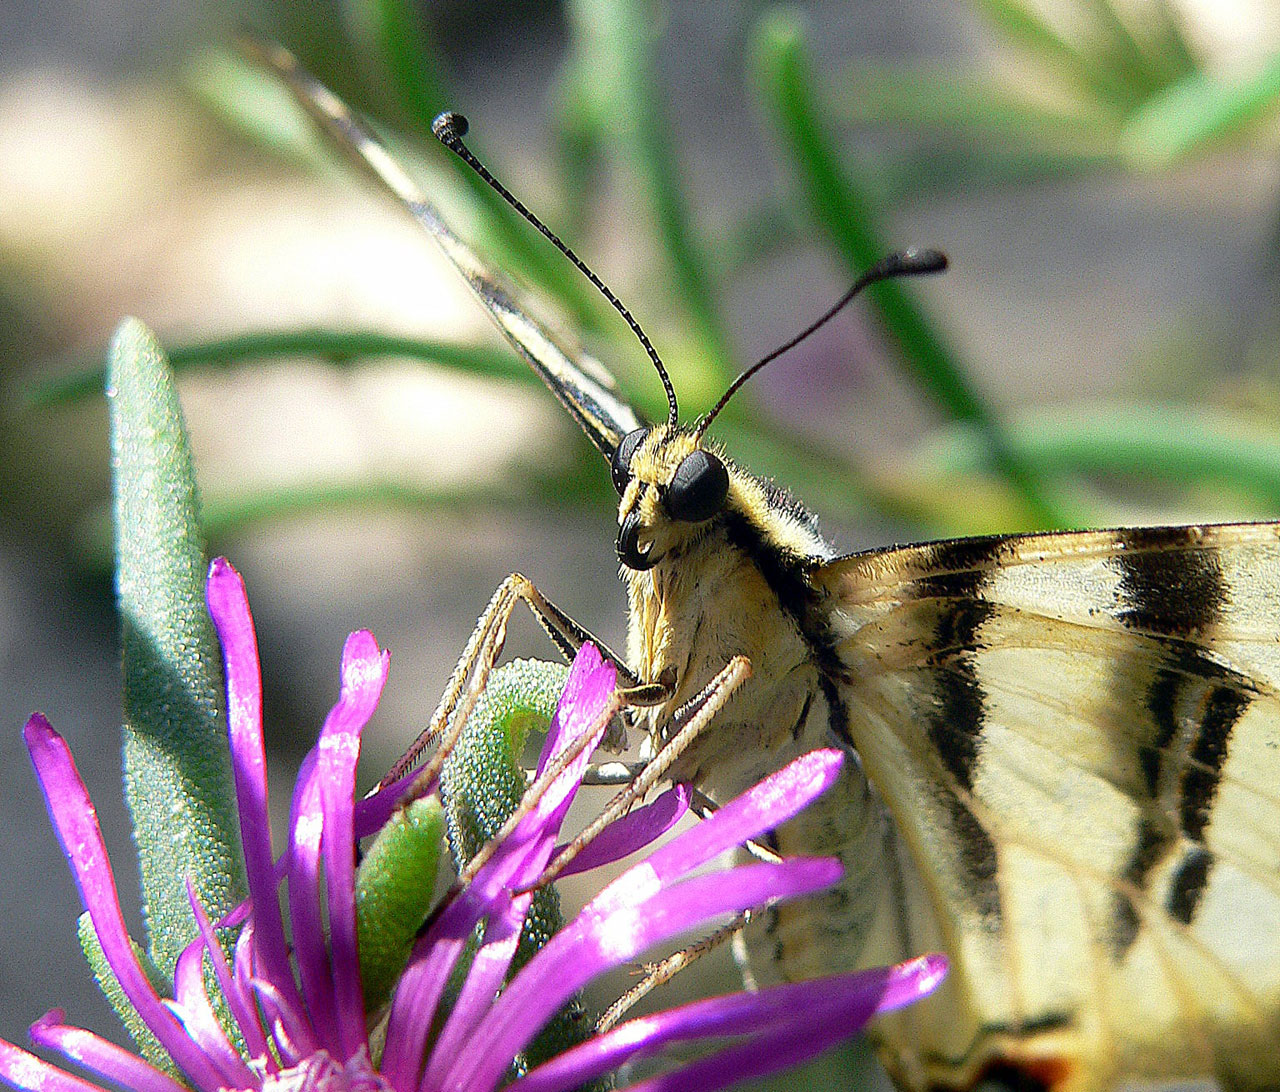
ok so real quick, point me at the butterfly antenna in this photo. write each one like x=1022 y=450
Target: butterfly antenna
x=449 y=128
x=904 y=263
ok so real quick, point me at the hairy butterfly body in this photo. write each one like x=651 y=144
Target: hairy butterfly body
x=1066 y=747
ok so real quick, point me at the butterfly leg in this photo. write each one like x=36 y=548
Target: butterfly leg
x=485 y=645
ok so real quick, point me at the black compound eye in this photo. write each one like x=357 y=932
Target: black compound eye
x=697 y=489
x=621 y=462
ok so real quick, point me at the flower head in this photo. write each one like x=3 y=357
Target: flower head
x=292 y=988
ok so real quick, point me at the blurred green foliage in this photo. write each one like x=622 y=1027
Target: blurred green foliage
x=1130 y=93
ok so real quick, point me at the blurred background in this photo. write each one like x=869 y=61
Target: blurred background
x=1102 y=174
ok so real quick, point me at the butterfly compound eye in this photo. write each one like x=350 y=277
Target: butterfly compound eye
x=697 y=489
x=621 y=462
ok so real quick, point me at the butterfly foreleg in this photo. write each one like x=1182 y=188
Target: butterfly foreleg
x=485 y=645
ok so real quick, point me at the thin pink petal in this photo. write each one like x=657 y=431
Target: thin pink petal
x=761 y=808
x=770 y=1051
x=76 y=823
x=632 y=914
x=22 y=1069
x=373 y=811
x=843 y=1002
x=586 y=688
x=306 y=915
x=229 y=609
x=484 y=979
x=241 y=1005
x=364 y=671
x=101 y=1056
x=191 y=1006
x=290 y=1031
x=420 y=987
x=632 y=832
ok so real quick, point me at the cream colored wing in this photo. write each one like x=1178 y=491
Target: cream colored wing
x=1078 y=738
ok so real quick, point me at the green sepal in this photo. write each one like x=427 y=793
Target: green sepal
x=147 y=1044
x=483 y=780
x=177 y=768
x=394 y=884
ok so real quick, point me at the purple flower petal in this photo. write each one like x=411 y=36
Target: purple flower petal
x=22 y=1069
x=364 y=671
x=589 y=687
x=229 y=609
x=761 y=808
x=633 y=913
x=517 y=861
x=632 y=832
x=306 y=914
x=243 y=1011
x=191 y=1006
x=767 y=1052
x=373 y=811
x=76 y=823
x=590 y=684
x=845 y=1002
x=418 y=992
x=115 y=1063
x=484 y=980
x=290 y=1032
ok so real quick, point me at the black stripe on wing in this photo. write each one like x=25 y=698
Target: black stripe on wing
x=1193 y=703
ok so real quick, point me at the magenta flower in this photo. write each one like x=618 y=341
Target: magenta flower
x=293 y=989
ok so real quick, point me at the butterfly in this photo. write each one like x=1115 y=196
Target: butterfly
x=1065 y=748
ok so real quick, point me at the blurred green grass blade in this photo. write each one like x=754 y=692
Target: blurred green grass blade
x=252 y=103
x=1025 y=27
x=1177 y=443
x=1121 y=49
x=763 y=233
x=578 y=147
x=336 y=346
x=395 y=42
x=613 y=56
x=924 y=172
x=843 y=212
x=959 y=102
x=1169 y=41
x=1199 y=111
x=177 y=765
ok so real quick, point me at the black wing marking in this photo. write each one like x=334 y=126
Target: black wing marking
x=1078 y=736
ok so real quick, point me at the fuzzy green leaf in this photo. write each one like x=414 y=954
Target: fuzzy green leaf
x=177 y=767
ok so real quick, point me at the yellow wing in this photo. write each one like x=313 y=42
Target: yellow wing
x=1078 y=738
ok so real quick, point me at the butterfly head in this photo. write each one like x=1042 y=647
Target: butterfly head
x=671 y=491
